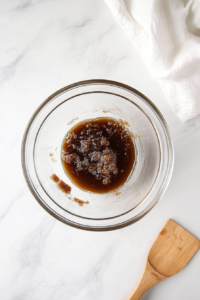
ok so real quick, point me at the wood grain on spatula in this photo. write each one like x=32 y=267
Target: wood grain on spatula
x=171 y=251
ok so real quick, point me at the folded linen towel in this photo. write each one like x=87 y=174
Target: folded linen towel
x=167 y=34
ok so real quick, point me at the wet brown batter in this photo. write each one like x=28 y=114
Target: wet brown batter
x=98 y=155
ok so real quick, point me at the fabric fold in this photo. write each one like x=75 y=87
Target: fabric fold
x=167 y=34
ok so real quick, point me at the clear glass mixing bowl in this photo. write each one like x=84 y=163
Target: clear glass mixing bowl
x=41 y=150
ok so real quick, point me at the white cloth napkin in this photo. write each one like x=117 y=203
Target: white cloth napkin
x=167 y=34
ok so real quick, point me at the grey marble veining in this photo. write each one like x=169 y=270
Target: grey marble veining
x=45 y=45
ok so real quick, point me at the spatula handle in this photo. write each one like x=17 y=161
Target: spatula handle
x=148 y=279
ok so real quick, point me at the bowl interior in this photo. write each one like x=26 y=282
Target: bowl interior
x=87 y=106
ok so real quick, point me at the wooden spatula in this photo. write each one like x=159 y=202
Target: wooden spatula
x=171 y=251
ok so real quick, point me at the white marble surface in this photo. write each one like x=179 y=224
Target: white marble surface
x=45 y=45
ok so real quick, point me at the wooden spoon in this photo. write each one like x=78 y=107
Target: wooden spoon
x=171 y=251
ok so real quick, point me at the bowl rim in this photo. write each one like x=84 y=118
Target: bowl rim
x=149 y=207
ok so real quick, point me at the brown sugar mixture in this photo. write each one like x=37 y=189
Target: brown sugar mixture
x=65 y=188
x=81 y=202
x=98 y=155
x=55 y=178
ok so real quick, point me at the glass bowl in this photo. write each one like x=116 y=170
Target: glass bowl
x=41 y=154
